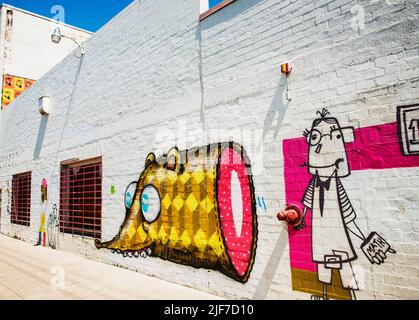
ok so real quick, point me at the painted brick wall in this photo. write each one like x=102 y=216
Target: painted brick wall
x=155 y=77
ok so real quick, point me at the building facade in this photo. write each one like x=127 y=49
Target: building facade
x=172 y=144
x=27 y=52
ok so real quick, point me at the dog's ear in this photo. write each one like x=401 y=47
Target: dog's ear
x=150 y=159
x=173 y=160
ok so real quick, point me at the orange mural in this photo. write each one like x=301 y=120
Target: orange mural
x=13 y=87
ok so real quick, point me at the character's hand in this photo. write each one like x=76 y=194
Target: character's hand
x=300 y=226
x=375 y=248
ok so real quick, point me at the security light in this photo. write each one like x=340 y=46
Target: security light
x=57 y=36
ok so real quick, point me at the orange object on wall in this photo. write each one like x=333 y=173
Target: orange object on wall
x=13 y=87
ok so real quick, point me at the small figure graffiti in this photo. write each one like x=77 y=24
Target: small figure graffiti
x=333 y=219
x=44 y=191
x=42 y=232
x=194 y=207
x=53 y=227
x=9 y=198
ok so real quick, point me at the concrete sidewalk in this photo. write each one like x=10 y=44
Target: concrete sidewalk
x=33 y=273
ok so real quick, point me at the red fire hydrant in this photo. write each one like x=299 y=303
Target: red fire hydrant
x=292 y=215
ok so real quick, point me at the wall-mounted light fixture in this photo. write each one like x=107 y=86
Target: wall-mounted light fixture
x=45 y=106
x=56 y=37
x=286 y=69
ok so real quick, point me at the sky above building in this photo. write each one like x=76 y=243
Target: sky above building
x=89 y=15
x=214 y=2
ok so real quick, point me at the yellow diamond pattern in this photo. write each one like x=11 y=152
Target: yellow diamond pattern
x=143 y=235
x=173 y=236
x=200 y=240
x=160 y=175
x=167 y=201
x=148 y=180
x=198 y=176
x=163 y=235
x=207 y=205
x=186 y=239
x=216 y=245
x=191 y=202
x=178 y=203
x=152 y=233
x=172 y=178
x=185 y=178
x=131 y=231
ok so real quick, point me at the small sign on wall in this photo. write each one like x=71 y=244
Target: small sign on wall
x=408 y=122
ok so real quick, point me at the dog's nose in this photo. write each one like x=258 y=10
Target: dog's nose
x=319 y=148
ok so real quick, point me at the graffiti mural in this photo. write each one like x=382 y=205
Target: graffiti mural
x=42 y=231
x=408 y=124
x=194 y=207
x=321 y=247
x=53 y=227
x=44 y=190
x=262 y=204
x=13 y=87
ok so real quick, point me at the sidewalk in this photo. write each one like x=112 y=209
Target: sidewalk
x=31 y=273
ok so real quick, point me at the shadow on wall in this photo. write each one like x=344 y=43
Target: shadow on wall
x=228 y=12
x=277 y=109
x=40 y=139
x=265 y=282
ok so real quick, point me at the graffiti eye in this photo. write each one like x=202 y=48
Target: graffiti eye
x=129 y=194
x=150 y=204
x=315 y=137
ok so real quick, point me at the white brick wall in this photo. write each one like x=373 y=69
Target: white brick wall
x=140 y=81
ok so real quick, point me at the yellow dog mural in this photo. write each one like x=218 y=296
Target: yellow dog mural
x=194 y=207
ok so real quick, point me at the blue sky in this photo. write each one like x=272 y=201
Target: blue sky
x=214 y=2
x=85 y=14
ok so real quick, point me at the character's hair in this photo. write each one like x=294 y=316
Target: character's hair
x=323 y=117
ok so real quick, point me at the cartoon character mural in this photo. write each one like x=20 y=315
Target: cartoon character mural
x=194 y=207
x=332 y=216
x=13 y=87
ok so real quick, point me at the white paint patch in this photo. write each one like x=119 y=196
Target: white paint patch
x=237 y=203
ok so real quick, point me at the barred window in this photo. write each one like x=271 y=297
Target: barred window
x=21 y=199
x=81 y=198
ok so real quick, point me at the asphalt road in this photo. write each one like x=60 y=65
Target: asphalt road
x=38 y=273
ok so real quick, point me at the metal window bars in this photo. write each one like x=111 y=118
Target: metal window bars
x=81 y=200
x=21 y=199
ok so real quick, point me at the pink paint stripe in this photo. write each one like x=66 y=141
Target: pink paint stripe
x=375 y=148
x=378 y=148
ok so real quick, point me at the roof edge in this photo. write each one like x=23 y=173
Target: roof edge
x=44 y=18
